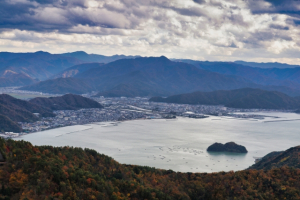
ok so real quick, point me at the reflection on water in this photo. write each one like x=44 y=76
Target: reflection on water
x=180 y=144
x=228 y=154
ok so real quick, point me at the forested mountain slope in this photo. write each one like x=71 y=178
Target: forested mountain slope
x=66 y=102
x=240 y=98
x=61 y=86
x=14 y=110
x=47 y=172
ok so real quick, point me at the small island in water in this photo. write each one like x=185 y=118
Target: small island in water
x=228 y=147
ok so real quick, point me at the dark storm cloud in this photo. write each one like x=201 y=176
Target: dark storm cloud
x=64 y=15
x=258 y=38
x=21 y=15
x=50 y=15
x=297 y=22
x=199 y=1
x=288 y=7
x=188 y=11
x=60 y=3
x=12 y=15
x=279 y=27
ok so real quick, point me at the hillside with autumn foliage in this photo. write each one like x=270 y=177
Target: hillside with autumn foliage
x=272 y=160
x=45 y=172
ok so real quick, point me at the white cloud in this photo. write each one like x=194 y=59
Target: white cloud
x=206 y=30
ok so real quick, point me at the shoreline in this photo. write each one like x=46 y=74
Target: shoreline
x=78 y=125
x=224 y=117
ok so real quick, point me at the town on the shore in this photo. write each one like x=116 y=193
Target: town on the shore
x=123 y=109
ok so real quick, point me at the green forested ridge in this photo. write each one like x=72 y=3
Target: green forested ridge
x=66 y=102
x=47 y=172
x=247 y=98
x=272 y=160
x=7 y=125
x=14 y=110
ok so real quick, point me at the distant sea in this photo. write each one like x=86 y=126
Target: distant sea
x=180 y=144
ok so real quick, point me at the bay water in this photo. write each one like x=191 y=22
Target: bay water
x=180 y=144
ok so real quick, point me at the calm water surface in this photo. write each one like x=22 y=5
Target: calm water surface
x=180 y=144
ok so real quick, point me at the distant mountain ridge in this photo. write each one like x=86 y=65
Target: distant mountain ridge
x=288 y=77
x=272 y=78
x=246 y=98
x=155 y=75
x=95 y=57
x=138 y=76
x=39 y=65
x=150 y=76
x=266 y=65
x=43 y=65
x=142 y=77
x=66 y=102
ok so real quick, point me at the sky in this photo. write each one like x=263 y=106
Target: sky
x=214 y=30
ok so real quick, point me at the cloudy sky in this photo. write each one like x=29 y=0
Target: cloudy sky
x=227 y=30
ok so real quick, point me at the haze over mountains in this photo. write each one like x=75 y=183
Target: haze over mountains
x=285 y=80
x=81 y=55
x=266 y=65
x=39 y=65
x=60 y=86
x=43 y=65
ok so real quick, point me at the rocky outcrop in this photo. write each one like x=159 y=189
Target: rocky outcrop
x=228 y=147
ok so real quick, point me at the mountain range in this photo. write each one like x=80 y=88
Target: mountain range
x=81 y=55
x=150 y=76
x=132 y=76
x=266 y=65
x=287 y=77
x=43 y=65
x=246 y=98
x=39 y=65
